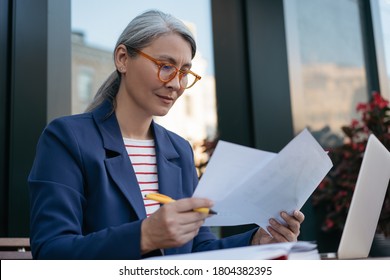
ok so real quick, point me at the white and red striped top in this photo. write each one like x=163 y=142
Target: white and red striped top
x=142 y=154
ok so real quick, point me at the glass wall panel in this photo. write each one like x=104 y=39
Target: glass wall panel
x=326 y=65
x=94 y=34
x=384 y=10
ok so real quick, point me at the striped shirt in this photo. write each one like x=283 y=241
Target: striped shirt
x=142 y=154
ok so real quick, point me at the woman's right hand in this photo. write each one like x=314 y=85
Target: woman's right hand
x=173 y=224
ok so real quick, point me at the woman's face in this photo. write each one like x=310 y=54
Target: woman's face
x=142 y=87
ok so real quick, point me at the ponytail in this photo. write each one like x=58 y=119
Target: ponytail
x=107 y=91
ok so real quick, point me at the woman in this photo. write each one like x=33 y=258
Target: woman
x=92 y=171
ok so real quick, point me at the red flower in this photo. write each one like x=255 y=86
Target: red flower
x=378 y=101
x=329 y=223
x=361 y=107
x=354 y=123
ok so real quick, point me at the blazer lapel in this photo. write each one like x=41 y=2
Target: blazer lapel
x=117 y=160
x=119 y=166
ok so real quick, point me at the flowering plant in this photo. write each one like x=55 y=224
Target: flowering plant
x=334 y=193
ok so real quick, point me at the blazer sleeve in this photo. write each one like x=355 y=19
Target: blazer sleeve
x=57 y=199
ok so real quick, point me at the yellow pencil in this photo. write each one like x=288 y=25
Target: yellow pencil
x=166 y=199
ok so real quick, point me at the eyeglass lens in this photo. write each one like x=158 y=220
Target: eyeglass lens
x=168 y=72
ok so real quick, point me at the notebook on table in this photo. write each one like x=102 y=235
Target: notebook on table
x=366 y=203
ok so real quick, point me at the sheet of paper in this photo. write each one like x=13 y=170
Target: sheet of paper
x=293 y=250
x=227 y=169
x=251 y=186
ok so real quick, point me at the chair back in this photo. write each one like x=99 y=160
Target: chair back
x=15 y=248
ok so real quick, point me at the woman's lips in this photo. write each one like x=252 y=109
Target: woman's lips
x=166 y=99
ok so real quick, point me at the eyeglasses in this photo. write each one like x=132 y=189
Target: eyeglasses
x=167 y=72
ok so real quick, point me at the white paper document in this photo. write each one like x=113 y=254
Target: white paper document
x=251 y=186
x=300 y=250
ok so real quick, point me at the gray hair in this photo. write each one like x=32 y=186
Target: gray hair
x=140 y=33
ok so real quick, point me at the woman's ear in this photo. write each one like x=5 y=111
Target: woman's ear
x=121 y=58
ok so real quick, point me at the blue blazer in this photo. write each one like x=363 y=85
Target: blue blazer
x=85 y=199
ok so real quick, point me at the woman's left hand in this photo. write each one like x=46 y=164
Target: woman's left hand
x=279 y=232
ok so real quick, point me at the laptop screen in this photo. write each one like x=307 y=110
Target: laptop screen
x=367 y=201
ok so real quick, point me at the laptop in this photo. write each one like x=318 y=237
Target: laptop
x=366 y=203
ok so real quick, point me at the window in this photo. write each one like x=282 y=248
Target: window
x=326 y=65
x=381 y=24
x=94 y=34
x=84 y=89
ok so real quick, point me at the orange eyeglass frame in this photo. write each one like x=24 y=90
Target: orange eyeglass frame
x=160 y=64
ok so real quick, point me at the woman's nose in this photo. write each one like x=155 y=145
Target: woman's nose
x=174 y=83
